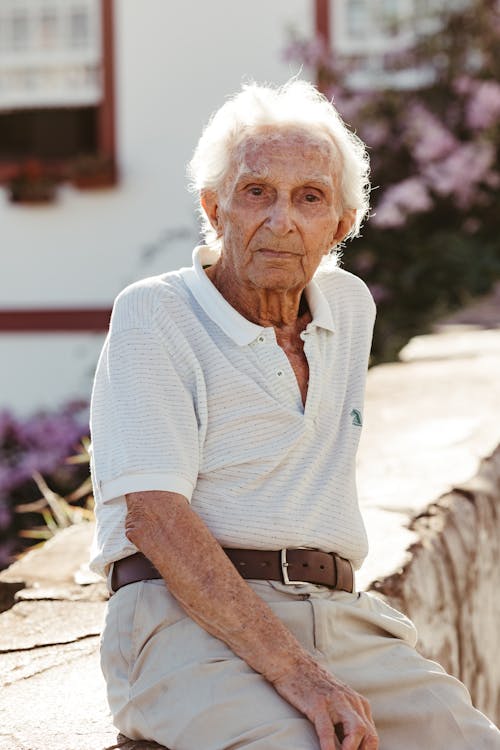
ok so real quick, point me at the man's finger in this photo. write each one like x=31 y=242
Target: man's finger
x=326 y=733
x=369 y=736
x=371 y=742
x=362 y=740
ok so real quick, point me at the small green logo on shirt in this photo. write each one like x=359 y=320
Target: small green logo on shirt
x=356 y=418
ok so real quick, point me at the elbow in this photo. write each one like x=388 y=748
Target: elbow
x=134 y=523
x=132 y=529
x=147 y=522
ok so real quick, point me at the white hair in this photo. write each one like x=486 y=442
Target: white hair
x=296 y=104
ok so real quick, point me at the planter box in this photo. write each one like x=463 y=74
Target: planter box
x=37 y=192
x=93 y=173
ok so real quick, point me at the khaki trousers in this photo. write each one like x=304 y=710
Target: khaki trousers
x=170 y=681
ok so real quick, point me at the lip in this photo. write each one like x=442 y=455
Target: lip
x=269 y=253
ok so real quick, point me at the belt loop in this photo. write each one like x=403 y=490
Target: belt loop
x=335 y=569
x=344 y=574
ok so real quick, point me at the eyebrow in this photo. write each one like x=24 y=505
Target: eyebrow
x=318 y=179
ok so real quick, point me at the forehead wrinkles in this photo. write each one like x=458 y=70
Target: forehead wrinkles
x=249 y=157
x=255 y=151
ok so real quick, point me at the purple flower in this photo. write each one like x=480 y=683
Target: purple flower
x=5 y=515
x=314 y=53
x=10 y=476
x=460 y=173
x=431 y=139
x=483 y=107
x=40 y=443
x=380 y=293
x=398 y=201
x=463 y=84
x=471 y=225
x=388 y=215
x=349 y=105
x=375 y=133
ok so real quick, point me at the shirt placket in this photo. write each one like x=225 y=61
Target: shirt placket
x=278 y=370
x=311 y=337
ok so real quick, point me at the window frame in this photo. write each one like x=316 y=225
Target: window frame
x=61 y=169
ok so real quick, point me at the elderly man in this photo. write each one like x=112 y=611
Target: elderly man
x=226 y=414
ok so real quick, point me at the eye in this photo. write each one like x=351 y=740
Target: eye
x=310 y=195
x=255 y=190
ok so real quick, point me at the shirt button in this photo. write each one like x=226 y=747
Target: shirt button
x=279 y=373
x=261 y=339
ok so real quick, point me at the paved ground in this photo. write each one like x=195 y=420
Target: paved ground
x=52 y=693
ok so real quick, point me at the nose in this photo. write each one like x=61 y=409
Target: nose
x=280 y=220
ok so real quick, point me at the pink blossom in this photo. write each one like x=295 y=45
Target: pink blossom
x=375 y=133
x=314 y=53
x=463 y=84
x=431 y=139
x=483 y=107
x=349 y=105
x=380 y=293
x=398 y=201
x=471 y=225
x=388 y=216
x=492 y=179
x=462 y=171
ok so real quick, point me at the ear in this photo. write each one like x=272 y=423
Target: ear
x=344 y=226
x=210 y=204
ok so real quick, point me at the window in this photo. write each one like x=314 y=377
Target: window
x=358 y=22
x=357 y=18
x=56 y=84
x=50 y=53
x=53 y=133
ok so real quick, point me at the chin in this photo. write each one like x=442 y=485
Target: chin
x=277 y=281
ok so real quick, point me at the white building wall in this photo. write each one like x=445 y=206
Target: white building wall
x=175 y=63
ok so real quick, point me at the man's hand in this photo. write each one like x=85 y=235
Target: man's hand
x=342 y=718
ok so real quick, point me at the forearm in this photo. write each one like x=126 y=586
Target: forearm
x=201 y=577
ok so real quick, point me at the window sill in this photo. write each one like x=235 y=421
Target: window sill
x=34 y=181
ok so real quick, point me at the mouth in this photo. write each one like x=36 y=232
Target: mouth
x=270 y=253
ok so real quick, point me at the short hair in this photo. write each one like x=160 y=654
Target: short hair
x=296 y=104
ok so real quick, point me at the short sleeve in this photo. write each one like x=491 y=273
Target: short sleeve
x=144 y=427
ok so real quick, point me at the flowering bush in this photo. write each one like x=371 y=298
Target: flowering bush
x=35 y=446
x=433 y=240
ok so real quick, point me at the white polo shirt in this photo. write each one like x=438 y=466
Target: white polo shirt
x=190 y=396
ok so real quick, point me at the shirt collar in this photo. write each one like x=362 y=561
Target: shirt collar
x=319 y=307
x=235 y=325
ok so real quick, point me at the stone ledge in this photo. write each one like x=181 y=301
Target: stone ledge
x=449 y=586
x=429 y=484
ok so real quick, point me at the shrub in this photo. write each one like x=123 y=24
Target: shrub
x=30 y=448
x=433 y=241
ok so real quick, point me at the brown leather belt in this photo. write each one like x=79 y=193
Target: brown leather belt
x=289 y=566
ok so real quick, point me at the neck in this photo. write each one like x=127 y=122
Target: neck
x=265 y=307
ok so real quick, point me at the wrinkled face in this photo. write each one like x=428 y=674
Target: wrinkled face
x=281 y=208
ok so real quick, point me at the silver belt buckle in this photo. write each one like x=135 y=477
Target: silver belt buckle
x=284 y=571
